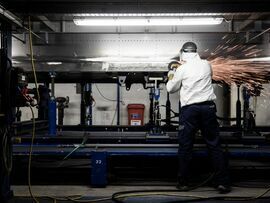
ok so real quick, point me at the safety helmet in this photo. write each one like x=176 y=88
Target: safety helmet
x=189 y=47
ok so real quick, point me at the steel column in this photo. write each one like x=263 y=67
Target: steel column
x=118 y=104
x=7 y=112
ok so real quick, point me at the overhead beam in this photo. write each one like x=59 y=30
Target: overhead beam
x=10 y=17
x=106 y=6
x=251 y=19
x=47 y=22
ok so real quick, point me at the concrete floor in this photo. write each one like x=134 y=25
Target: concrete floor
x=90 y=193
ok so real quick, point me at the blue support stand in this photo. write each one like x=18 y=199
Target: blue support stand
x=52 y=117
x=99 y=169
x=118 y=104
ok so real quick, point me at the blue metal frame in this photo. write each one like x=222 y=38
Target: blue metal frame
x=99 y=168
x=118 y=104
x=100 y=156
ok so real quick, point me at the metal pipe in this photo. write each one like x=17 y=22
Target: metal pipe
x=168 y=110
x=151 y=108
x=268 y=29
x=88 y=103
x=238 y=108
x=21 y=40
x=13 y=18
x=52 y=108
x=82 y=105
x=10 y=16
x=155 y=145
x=118 y=104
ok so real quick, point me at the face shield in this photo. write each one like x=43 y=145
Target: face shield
x=186 y=56
x=188 y=51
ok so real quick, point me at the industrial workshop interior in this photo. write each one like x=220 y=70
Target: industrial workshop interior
x=157 y=101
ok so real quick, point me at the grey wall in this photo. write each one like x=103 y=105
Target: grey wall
x=261 y=107
x=139 y=95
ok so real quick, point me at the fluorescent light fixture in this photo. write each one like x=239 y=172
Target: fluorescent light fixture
x=155 y=21
x=128 y=60
x=138 y=62
x=15 y=62
x=144 y=14
x=54 y=63
x=156 y=14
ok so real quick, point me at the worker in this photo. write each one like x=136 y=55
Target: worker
x=193 y=77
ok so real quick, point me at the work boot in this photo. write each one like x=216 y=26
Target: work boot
x=182 y=184
x=223 y=189
x=182 y=187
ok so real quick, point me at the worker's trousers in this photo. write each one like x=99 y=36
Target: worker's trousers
x=200 y=116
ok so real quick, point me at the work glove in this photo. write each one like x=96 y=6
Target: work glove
x=173 y=65
x=171 y=74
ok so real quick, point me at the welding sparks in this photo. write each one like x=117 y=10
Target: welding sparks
x=230 y=69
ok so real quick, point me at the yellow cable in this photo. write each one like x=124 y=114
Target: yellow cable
x=236 y=198
x=142 y=194
x=30 y=157
x=32 y=59
x=89 y=201
x=73 y=198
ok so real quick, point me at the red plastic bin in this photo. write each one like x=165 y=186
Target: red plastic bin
x=135 y=114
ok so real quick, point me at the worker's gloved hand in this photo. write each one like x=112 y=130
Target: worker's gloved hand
x=171 y=74
x=173 y=65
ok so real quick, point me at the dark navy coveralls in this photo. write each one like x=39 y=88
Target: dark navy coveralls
x=194 y=117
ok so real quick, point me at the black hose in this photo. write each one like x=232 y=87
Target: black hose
x=116 y=199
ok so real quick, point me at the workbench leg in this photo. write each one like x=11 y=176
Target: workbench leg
x=99 y=169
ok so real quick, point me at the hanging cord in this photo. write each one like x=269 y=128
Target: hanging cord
x=74 y=198
x=32 y=59
x=106 y=98
x=6 y=151
x=30 y=156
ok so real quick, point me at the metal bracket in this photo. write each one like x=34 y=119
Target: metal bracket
x=122 y=80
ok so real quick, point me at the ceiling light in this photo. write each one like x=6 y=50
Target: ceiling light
x=155 y=21
x=128 y=60
x=54 y=63
x=143 y=14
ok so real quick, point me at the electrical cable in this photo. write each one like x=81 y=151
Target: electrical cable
x=29 y=175
x=90 y=201
x=129 y=194
x=133 y=193
x=114 y=114
x=32 y=59
x=249 y=185
x=106 y=98
x=30 y=156
x=85 y=138
x=195 y=197
x=112 y=100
